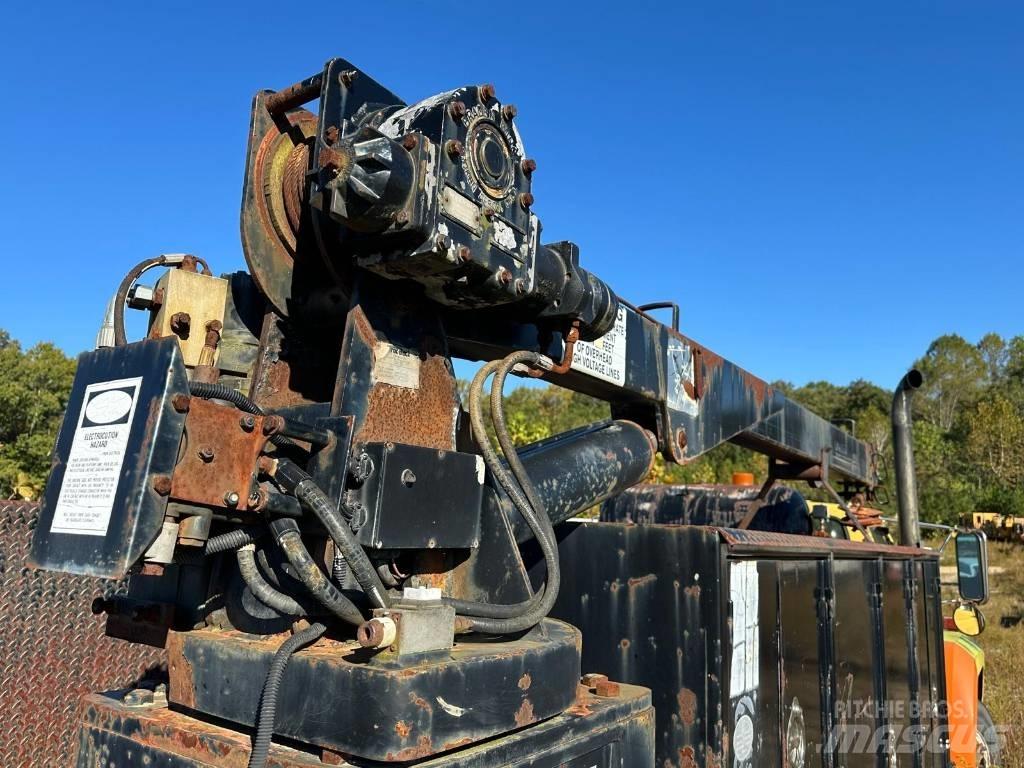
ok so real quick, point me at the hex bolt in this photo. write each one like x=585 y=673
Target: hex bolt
x=606 y=689
x=206 y=454
x=331 y=134
x=490 y=212
x=529 y=165
x=180 y=323
x=457 y=110
x=272 y=425
x=161 y=484
x=509 y=111
x=591 y=679
x=504 y=276
x=401 y=218
x=485 y=92
x=526 y=200
x=442 y=241
x=348 y=77
x=231 y=498
x=465 y=254
x=520 y=287
x=255 y=498
x=247 y=422
x=409 y=141
x=377 y=633
x=180 y=402
x=681 y=439
x=408 y=478
x=453 y=147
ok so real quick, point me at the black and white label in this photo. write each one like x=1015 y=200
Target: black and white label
x=97 y=454
x=395 y=366
x=604 y=358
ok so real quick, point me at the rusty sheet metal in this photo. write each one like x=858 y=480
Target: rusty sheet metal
x=221 y=448
x=772 y=544
x=52 y=649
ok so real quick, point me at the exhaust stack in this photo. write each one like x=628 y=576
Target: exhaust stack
x=903 y=450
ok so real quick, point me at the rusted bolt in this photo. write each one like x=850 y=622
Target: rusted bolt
x=681 y=439
x=272 y=425
x=529 y=165
x=247 y=422
x=485 y=92
x=504 y=276
x=592 y=678
x=332 y=161
x=161 y=484
x=607 y=689
x=180 y=323
x=348 y=77
x=377 y=633
x=409 y=141
x=331 y=134
x=256 y=499
x=401 y=218
x=180 y=402
x=206 y=454
x=453 y=147
x=457 y=110
x=231 y=498
x=509 y=111
x=490 y=212
x=408 y=478
x=520 y=287
x=442 y=241
x=465 y=254
x=526 y=200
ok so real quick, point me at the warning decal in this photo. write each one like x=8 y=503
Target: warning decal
x=97 y=454
x=604 y=358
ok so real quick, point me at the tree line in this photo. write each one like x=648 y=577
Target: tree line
x=968 y=423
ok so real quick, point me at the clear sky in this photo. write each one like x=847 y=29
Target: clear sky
x=823 y=187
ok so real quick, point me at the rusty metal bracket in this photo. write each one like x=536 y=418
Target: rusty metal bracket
x=218 y=460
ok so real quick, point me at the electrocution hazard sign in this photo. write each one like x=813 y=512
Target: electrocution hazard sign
x=97 y=454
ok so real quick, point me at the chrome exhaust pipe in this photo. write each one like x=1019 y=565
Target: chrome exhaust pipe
x=903 y=452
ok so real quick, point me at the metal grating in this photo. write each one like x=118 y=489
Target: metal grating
x=52 y=650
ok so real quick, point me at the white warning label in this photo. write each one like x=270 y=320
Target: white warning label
x=604 y=358
x=97 y=454
x=395 y=366
x=746 y=658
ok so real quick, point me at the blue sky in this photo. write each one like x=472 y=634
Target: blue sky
x=823 y=187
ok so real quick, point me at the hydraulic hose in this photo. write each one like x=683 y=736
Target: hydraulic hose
x=267 y=713
x=261 y=588
x=286 y=531
x=231 y=540
x=504 y=619
x=299 y=483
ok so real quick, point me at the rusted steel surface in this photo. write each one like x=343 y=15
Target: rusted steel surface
x=773 y=544
x=295 y=95
x=114 y=733
x=479 y=690
x=52 y=649
x=221 y=447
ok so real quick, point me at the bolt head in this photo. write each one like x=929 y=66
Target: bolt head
x=231 y=498
x=206 y=454
x=442 y=241
x=509 y=111
x=180 y=322
x=607 y=689
x=348 y=77
x=465 y=254
x=409 y=141
x=247 y=422
x=504 y=277
x=180 y=402
x=453 y=147
x=485 y=92
x=520 y=287
x=529 y=165
x=331 y=134
x=457 y=110
x=526 y=200
x=162 y=484
x=401 y=218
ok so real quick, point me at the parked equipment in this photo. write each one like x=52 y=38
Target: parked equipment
x=344 y=569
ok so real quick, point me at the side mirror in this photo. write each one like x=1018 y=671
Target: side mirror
x=969 y=620
x=972 y=566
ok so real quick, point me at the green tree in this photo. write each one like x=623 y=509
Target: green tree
x=995 y=442
x=954 y=373
x=34 y=387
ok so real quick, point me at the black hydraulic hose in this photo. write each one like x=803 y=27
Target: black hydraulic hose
x=497 y=619
x=261 y=588
x=299 y=483
x=286 y=531
x=121 y=297
x=231 y=540
x=267 y=713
